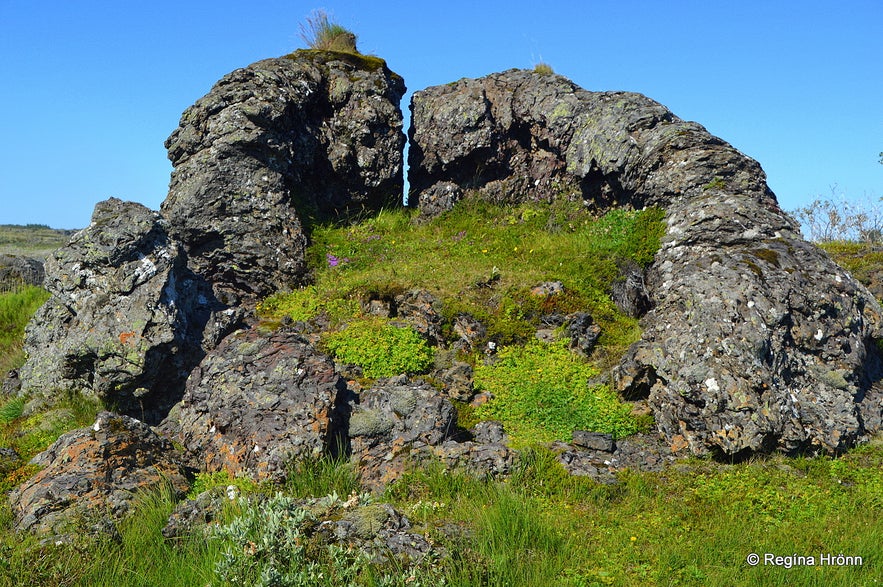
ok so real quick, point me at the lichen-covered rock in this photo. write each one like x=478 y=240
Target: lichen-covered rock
x=256 y=402
x=390 y=420
x=757 y=340
x=126 y=321
x=93 y=474
x=312 y=134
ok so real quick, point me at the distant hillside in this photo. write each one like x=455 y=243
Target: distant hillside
x=32 y=240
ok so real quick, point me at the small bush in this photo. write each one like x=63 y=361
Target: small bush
x=322 y=34
x=380 y=348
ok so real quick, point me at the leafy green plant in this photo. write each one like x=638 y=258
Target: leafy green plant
x=323 y=34
x=541 y=393
x=380 y=348
x=205 y=481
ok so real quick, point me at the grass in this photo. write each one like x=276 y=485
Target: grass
x=33 y=240
x=16 y=309
x=694 y=524
x=322 y=34
x=482 y=260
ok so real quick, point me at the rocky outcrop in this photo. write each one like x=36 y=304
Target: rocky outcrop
x=93 y=474
x=390 y=421
x=16 y=271
x=256 y=402
x=127 y=320
x=273 y=146
x=757 y=340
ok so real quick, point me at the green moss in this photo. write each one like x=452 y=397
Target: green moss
x=369 y=423
x=380 y=348
x=768 y=255
x=717 y=183
x=357 y=60
x=542 y=393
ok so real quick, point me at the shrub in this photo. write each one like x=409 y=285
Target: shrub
x=322 y=34
x=380 y=348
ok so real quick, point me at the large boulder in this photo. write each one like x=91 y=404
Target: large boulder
x=93 y=475
x=757 y=340
x=257 y=402
x=393 y=419
x=273 y=146
x=126 y=321
x=16 y=271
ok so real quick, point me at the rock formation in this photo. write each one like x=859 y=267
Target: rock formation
x=753 y=339
x=258 y=402
x=273 y=146
x=96 y=470
x=127 y=320
x=17 y=270
x=757 y=340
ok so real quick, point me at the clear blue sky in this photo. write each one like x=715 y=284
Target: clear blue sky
x=89 y=90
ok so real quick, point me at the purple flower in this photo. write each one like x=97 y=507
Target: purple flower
x=332 y=260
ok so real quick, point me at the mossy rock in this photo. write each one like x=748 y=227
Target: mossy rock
x=369 y=423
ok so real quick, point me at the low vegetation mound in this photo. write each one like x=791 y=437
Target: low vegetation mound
x=483 y=265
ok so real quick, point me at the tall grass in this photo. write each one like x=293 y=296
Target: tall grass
x=321 y=33
x=16 y=309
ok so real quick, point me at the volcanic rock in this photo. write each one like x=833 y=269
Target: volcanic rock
x=276 y=145
x=756 y=340
x=95 y=471
x=257 y=402
x=126 y=321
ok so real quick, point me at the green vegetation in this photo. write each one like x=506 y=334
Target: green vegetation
x=481 y=260
x=322 y=34
x=717 y=183
x=380 y=348
x=542 y=393
x=861 y=259
x=16 y=309
x=543 y=68
x=33 y=240
x=691 y=525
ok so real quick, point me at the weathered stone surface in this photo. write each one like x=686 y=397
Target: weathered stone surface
x=757 y=341
x=126 y=321
x=310 y=134
x=593 y=440
x=256 y=402
x=641 y=452
x=16 y=271
x=92 y=474
x=390 y=420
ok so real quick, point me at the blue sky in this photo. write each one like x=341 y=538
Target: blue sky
x=91 y=89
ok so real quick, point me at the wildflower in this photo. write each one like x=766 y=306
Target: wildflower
x=332 y=260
